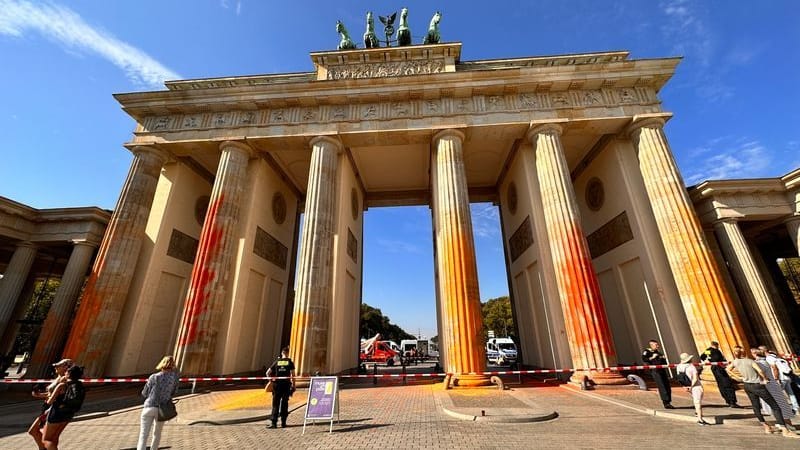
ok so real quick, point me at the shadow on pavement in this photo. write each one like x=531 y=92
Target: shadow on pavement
x=360 y=427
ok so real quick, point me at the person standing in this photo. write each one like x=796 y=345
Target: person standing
x=652 y=356
x=160 y=388
x=754 y=382
x=35 y=429
x=283 y=368
x=724 y=381
x=782 y=372
x=773 y=387
x=695 y=388
x=64 y=402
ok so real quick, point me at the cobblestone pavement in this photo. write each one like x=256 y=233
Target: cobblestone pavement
x=409 y=417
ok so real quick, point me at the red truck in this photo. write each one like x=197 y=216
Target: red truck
x=375 y=350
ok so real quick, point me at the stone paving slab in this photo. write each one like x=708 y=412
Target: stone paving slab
x=410 y=417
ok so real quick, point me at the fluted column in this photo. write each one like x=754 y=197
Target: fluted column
x=311 y=315
x=14 y=280
x=707 y=304
x=455 y=263
x=205 y=299
x=101 y=304
x=55 y=325
x=590 y=340
x=753 y=291
x=793 y=226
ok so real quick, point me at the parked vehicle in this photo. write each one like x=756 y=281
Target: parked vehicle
x=501 y=351
x=375 y=350
x=415 y=349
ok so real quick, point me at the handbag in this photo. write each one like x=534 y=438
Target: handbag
x=167 y=411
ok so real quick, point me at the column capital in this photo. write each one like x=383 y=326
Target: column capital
x=328 y=139
x=449 y=132
x=792 y=218
x=238 y=146
x=142 y=150
x=27 y=244
x=546 y=128
x=84 y=242
x=729 y=220
x=654 y=120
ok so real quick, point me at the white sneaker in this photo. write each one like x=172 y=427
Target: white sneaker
x=789 y=434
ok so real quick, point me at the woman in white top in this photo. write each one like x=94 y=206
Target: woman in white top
x=695 y=387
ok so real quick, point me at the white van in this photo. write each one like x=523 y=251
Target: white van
x=501 y=351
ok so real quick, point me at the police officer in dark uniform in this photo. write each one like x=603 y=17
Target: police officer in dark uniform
x=652 y=355
x=283 y=388
x=724 y=381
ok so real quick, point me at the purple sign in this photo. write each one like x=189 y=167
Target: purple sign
x=321 y=398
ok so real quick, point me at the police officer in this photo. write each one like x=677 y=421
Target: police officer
x=652 y=355
x=283 y=367
x=724 y=381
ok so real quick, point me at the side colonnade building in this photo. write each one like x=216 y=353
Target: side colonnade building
x=603 y=246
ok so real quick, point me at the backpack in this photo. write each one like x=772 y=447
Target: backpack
x=683 y=379
x=73 y=397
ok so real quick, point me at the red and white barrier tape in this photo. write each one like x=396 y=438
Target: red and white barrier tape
x=384 y=375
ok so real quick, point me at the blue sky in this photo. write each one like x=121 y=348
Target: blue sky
x=734 y=95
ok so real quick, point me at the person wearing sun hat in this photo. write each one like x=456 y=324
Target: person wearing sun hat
x=695 y=387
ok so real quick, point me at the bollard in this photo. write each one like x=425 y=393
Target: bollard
x=194 y=386
x=404 y=377
x=375 y=372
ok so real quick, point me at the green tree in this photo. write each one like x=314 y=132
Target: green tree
x=496 y=313
x=373 y=321
x=38 y=305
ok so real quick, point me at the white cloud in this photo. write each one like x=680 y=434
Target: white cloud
x=687 y=32
x=398 y=246
x=740 y=158
x=69 y=30
x=485 y=220
x=224 y=4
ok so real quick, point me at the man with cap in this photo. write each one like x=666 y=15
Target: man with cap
x=61 y=368
x=724 y=381
x=652 y=356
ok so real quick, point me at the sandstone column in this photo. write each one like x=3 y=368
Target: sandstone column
x=752 y=288
x=101 y=304
x=311 y=315
x=590 y=340
x=55 y=325
x=793 y=226
x=205 y=300
x=455 y=263
x=708 y=306
x=14 y=280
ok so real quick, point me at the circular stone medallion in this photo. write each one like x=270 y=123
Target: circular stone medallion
x=595 y=194
x=200 y=209
x=278 y=208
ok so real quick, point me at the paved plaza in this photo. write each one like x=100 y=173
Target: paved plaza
x=412 y=416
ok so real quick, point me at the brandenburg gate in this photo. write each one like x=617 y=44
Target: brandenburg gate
x=603 y=248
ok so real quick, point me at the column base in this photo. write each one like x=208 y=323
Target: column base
x=600 y=378
x=471 y=380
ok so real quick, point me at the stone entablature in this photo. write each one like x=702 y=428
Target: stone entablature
x=24 y=223
x=763 y=198
x=591 y=85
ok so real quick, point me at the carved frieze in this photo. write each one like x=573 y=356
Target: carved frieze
x=521 y=240
x=384 y=69
x=611 y=235
x=408 y=109
x=182 y=246
x=269 y=248
x=352 y=246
